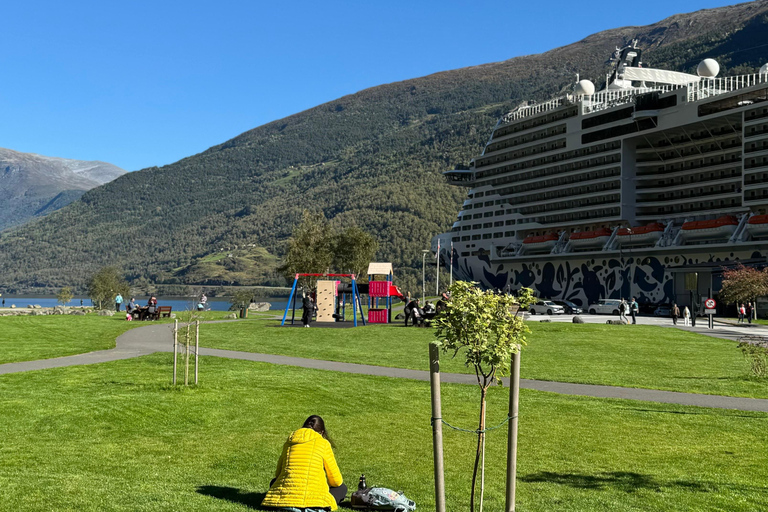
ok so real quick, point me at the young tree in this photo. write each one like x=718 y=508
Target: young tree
x=310 y=248
x=353 y=250
x=487 y=328
x=105 y=284
x=64 y=296
x=744 y=284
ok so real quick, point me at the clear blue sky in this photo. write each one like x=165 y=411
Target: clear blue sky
x=142 y=83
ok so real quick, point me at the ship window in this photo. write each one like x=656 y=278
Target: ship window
x=475 y=237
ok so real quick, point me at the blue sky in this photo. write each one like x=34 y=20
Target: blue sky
x=140 y=83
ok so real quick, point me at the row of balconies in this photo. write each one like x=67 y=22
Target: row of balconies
x=754 y=115
x=495 y=145
x=682 y=154
x=535 y=122
x=687 y=178
x=572 y=178
x=522 y=153
x=571 y=205
x=550 y=159
x=553 y=194
x=730 y=205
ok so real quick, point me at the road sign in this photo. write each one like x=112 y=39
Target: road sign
x=709 y=311
x=710 y=304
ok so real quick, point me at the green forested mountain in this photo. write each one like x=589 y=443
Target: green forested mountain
x=373 y=158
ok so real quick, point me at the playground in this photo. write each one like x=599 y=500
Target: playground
x=118 y=436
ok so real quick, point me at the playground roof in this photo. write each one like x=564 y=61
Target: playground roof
x=379 y=269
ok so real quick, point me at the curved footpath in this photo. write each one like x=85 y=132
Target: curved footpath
x=159 y=338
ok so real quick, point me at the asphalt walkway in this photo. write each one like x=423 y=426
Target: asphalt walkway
x=159 y=338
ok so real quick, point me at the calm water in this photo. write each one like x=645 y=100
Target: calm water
x=178 y=303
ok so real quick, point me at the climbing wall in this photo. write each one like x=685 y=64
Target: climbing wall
x=326 y=300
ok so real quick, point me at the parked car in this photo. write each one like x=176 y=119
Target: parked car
x=569 y=307
x=605 y=307
x=663 y=310
x=546 y=307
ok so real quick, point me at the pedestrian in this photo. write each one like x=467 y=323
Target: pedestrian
x=675 y=312
x=623 y=311
x=742 y=312
x=686 y=316
x=308 y=309
x=634 y=309
x=748 y=312
x=81 y=302
x=118 y=301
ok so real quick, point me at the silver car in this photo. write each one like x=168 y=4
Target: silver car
x=546 y=307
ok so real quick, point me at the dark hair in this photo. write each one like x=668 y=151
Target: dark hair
x=317 y=424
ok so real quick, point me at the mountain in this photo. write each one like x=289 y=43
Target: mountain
x=34 y=185
x=372 y=158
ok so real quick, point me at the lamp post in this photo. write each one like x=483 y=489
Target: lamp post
x=423 y=273
x=621 y=254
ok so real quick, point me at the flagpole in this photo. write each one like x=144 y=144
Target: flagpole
x=437 y=281
x=451 y=281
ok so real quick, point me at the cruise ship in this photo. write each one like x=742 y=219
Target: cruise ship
x=649 y=188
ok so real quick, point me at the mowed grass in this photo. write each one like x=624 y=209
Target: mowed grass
x=630 y=356
x=26 y=338
x=117 y=437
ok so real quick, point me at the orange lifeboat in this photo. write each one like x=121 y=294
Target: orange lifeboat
x=540 y=243
x=716 y=229
x=757 y=225
x=640 y=235
x=596 y=238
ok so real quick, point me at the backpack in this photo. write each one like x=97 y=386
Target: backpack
x=381 y=498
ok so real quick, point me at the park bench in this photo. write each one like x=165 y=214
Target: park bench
x=163 y=312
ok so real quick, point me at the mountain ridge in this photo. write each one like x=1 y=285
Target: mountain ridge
x=33 y=185
x=372 y=158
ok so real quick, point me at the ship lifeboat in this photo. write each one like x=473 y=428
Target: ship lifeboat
x=641 y=235
x=757 y=225
x=541 y=243
x=717 y=229
x=584 y=239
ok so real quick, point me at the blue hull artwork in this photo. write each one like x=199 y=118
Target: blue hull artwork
x=585 y=281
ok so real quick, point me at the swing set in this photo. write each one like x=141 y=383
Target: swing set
x=330 y=307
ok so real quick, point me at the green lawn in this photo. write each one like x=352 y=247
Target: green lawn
x=117 y=437
x=631 y=356
x=26 y=338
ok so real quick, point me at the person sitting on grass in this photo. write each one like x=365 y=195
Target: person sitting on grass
x=307 y=478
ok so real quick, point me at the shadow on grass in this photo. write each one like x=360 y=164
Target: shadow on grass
x=249 y=499
x=619 y=480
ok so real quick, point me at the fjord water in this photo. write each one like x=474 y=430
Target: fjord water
x=178 y=303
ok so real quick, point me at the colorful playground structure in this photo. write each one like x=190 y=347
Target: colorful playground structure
x=332 y=296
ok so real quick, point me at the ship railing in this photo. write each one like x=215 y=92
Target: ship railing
x=538 y=108
x=606 y=99
x=709 y=87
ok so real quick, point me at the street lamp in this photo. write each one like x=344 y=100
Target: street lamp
x=424 y=253
x=621 y=254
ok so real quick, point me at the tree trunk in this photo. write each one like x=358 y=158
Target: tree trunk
x=480 y=439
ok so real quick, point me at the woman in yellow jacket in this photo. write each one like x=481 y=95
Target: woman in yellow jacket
x=307 y=476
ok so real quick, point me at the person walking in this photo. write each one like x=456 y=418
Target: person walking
x=118 y=301
x=675 y=312
x=634 y=309
x=748 y=312
x=742 y=312
x=623 y=306
x=686 y=316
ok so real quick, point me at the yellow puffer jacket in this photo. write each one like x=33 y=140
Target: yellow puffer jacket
x=305 y=470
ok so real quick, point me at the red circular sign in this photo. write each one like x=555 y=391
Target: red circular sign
x=710 y=304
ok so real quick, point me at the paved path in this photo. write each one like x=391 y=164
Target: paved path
x=159 y=338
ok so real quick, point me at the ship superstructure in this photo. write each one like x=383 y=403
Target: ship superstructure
x=621 y=192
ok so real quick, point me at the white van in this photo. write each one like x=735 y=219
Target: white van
x=605 y=307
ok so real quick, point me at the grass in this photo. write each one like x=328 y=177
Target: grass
x=630 y=356
x=26 y=338
x=117 y=437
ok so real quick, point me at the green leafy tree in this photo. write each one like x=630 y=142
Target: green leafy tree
x=105 y=284
x=744 y=284
x=64 y=296
x=240 y=299
x=487 y=329
x=310 y=248
x=353 y=250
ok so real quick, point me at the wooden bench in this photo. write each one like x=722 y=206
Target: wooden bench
x=163 y=312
